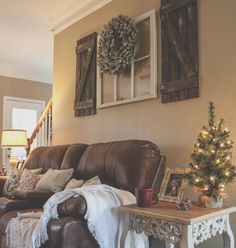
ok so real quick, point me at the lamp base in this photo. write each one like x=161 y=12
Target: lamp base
x=12 y=164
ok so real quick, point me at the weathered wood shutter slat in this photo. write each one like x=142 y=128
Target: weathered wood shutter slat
x=179 y=50
x=85 y=90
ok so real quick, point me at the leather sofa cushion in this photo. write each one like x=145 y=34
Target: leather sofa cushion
x=32 y=195
x=62 y=231
x=8 y=204
x=55 y=157
x=122 y=164
x=73 y=207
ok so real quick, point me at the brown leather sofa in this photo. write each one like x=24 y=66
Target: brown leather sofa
x=122 y=164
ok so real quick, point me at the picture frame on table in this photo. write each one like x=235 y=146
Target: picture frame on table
x=173 y=185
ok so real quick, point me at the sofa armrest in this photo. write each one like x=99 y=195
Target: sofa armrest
x=10 y=204
x=3 y=179
x=32 y=195
x=73 y=207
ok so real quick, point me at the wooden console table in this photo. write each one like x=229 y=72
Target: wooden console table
x=189 y=228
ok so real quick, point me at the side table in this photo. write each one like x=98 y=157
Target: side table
x=189 y=228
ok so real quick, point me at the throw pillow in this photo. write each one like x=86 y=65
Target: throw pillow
x=54 y=180
x=93 y=181
x=13 y=182
x=73 y=183
x=28 y=180
x=11 y=185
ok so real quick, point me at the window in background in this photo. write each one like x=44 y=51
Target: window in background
x=23 y=119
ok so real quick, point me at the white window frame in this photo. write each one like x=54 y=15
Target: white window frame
x=153 y=68
x=42 y=132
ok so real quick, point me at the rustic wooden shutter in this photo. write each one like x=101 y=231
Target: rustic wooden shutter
x=179 y=50
x=85 y=90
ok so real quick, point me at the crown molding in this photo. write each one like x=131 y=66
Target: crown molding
x=73 y=12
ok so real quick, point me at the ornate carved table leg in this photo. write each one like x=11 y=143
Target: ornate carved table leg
x=228 y=236
x=187 y=237
x=125 y=230
x=169 y=245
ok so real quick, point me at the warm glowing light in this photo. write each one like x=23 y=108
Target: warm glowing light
x=226 y=129
x=222 y=145
x=206 y=187
x=196 y=166
x=228 y=157
x=200 y=150
x=212 y=178
x=218 y=161
x=221 y=185
x=14 y=138
x=213 y=151
x=227 y=173
x=204 y=132
x=197 y=180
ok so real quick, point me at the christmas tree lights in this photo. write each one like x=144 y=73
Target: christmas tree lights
x=211 y=168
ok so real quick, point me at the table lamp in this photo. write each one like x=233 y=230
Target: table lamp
x=14 y=138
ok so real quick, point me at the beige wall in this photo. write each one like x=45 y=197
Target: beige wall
x=24 y=89
x=174 y=126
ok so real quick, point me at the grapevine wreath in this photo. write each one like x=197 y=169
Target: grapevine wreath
x=117 y=45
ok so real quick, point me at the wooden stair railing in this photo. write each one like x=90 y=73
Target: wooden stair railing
x=46 y=117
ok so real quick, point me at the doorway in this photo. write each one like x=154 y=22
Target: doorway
x=22 y=113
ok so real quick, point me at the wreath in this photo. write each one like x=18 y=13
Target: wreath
x=117 y=45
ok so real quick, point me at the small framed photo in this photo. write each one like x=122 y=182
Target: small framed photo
x=173 y=185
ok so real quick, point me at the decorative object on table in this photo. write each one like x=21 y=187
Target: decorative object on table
x=14 y=138
x=145 y=197
x=185 y=205
x=86 y=65
x=173 y=185
x=3 y=171
x=211 y=168
x=117 y=45
x=179 y=51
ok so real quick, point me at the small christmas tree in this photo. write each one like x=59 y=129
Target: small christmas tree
x=211 y=168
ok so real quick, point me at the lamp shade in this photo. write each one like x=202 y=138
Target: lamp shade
x=14 y=138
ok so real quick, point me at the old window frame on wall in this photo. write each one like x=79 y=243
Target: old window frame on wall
x=151 y=15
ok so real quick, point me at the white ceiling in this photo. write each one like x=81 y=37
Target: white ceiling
x=26 y=39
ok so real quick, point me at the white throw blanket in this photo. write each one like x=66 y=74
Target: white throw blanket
x=105 y=221
x=19 y=230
